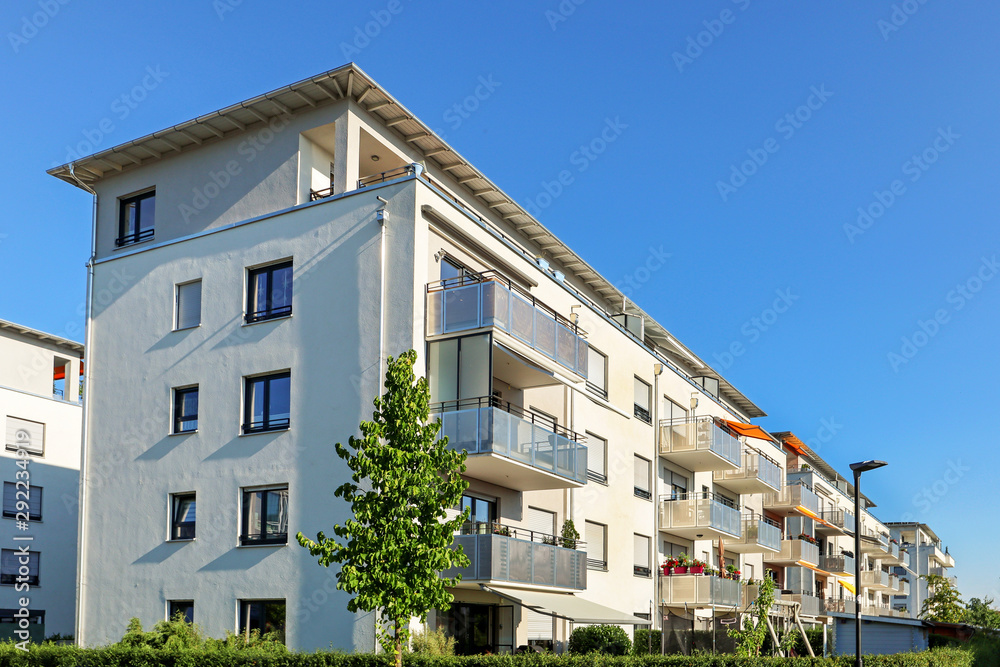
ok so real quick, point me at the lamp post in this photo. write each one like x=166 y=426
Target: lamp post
x=858 y=468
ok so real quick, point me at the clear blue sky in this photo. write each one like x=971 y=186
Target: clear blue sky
x=888 y=92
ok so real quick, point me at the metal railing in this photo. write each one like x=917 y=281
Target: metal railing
x=755 y=466
x=497 y=528
x=487 y=425
x=794 y=549
x=874 y=579
x=694 y=434
x=842 y=564
x=384 y=176
x=692 y=589
x=839 y=605
x=794 y=494
x=761 y=530
x=316 y=195
x=809 y=604
x=496 y=557
x=134 y=237
x=489 y=299
x=840 y=518
x=700 y=509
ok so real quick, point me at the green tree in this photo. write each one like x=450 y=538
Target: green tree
x=750 y=639
x=943 y=603
x=404 y=479
x=982 y=614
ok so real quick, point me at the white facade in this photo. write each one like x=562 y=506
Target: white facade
x=925 y=555
x=40 y=411
x=392 y=241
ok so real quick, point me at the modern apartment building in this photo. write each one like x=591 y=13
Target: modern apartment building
x=274 y=253
x=41 y=410
x=925 y=555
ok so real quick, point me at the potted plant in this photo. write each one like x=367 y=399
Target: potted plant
x=500 y=529
x=732 y=572
x=683 y=562
x=569 y=534
x=549 y=539
x=697 y=567
x=668 y=565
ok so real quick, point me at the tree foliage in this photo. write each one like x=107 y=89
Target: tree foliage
x=943 y=603
x=982 y=614
x=608 y=639
x=393 y=551
x=750 y=639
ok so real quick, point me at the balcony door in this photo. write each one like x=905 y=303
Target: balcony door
x=480 y=628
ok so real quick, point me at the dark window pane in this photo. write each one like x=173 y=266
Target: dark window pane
x=185 y=607
x=280 y=398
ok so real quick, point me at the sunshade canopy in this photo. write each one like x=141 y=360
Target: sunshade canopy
x=749 y=430
x=566 y=606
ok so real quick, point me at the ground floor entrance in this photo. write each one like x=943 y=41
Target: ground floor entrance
x=479 y=628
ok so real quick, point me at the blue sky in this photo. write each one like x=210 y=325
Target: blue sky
x=748 y=137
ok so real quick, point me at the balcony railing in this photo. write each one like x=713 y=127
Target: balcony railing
x=699 y=444
x=489 y=299
x=904 y=587
x=875 y=579
x=839 y=605
x=758 y=474
x=760 y=535
x=795 y=550
x=875 y=542
x=842 y=564
x=487 y=425
x=384 y=176
x=793 y=497
x=696 y=589
x=502 y=558
x=809 y=604
x=841 y=519
x=700 y=513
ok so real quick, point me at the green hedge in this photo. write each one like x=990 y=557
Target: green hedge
x=69 y=656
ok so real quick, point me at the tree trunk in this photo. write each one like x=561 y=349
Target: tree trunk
x=399 y=645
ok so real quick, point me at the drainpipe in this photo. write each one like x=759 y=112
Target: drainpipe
x=382 y=216
x=85 y=426
x=658 y=621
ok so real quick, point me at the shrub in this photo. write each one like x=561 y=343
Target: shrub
x=646 y=642
x=609 y=639
x=433 y=643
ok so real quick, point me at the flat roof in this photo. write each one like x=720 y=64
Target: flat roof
x=350 y=82
x=59 y=341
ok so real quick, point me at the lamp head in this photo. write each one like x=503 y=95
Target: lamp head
x=865 y=466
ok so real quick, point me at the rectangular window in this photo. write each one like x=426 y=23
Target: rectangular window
x=645 y=615
x=675 y=483
x=597 y=368
x=597 y=458
x=596 y=537
x=269 y=293
x=642 y=485
x=22 y=500
x=267 y=403
x=188 y=305
x=265 y=516
x=12 y=560
x=184 y=608
x=182 y=516
x=136 y=218
x=186 y=410
x=265 y=616
x=642 y=401
x=641 y=559
x=482 y=512
x=26 y=435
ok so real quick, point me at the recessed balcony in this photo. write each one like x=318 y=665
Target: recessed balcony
x=794 y=552
x=700 y=444
x=513 y=447
x=700 y=516
x=757 y=474
x=759 y=535
x=842 y=564
x=695 y=590
x=490 y=300
x=500 y=554
x=794 y=499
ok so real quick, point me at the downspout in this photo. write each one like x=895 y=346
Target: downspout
x=655 y=606
x=85 y=426
x=382 y=216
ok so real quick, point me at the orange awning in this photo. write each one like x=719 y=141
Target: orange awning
x=794 y=444
x=60 y=372
x=749 y=430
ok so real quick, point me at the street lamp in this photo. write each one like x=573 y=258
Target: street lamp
x=858 y=468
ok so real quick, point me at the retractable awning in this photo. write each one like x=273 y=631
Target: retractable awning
x=566 y=606
x=749 y=430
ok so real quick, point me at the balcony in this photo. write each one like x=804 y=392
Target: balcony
x=501 y=558
x=904 y=587
x=481 y=300
x=512 y=447
x=699 y=515
x=875 y=610
x=893 y=556
x=760 y=535
x=841 y=564
x=793 y=499
x=809 y=605
x=699 y=444
x=678 y=590
x=836 y=522
x=838 y=605
x=875 y=579
x=758 y=474
x=942 y=557
x=874 y=542
x=793 y=552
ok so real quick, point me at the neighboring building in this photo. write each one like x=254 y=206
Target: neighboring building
x=41 y=411
x=925 y=556
x=277 y=251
